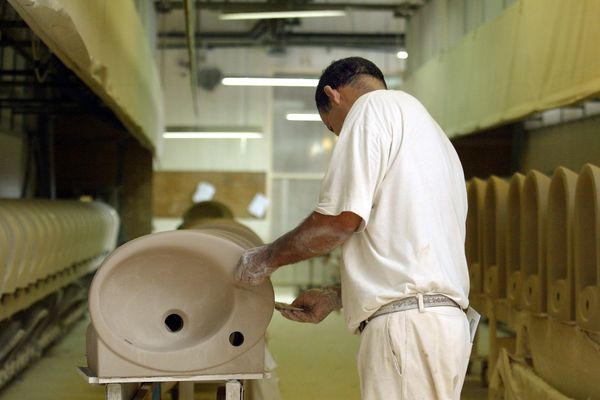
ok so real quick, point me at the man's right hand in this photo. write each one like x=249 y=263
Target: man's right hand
x=316 y=304
x=253 y=267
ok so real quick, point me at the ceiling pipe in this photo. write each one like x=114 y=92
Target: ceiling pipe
x=403 y=9
x=374 y=41
x=272 y=33
x=190 y=29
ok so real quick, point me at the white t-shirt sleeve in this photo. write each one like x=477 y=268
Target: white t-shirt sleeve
x=357 y=167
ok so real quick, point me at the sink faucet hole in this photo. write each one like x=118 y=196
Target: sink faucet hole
x=174 y=322
x=236 y=338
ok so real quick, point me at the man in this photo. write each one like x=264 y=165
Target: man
x=394 y=197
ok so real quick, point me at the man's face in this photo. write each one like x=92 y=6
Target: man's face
x=334 y=118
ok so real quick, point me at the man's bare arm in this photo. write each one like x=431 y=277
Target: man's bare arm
x=316 y=235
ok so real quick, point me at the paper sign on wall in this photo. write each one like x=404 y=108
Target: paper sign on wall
x=204 y=192
x=258 y=206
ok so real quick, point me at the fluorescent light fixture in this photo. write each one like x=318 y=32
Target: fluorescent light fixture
x=283 y=14
x=402 y=54
x=303 y=117
x=212 y=135
x=298 y=82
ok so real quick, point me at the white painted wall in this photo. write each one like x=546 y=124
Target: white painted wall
x=236 y=106
x=214 y=155
x=223 y=107
x=571 y=144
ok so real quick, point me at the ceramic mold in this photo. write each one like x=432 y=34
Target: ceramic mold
x=561 y=285
x=494 y=238
x=474 y=242
x=534 y=208
x=586 y=237
x=513 y=239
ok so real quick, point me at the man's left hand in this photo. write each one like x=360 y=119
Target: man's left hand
x=316 y=305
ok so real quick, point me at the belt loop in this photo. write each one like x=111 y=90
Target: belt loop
x=420 y=302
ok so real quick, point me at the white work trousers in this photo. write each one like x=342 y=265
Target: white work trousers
x=412 y=355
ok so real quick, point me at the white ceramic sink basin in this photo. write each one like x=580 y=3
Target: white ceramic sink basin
x=167 y=303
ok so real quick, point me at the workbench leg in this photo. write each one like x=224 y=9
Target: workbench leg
x=121 y=391
x=186 y=390
x=156 y=391
x=234 y=390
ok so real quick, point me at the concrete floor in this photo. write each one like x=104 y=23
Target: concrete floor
x=54 y=376
x=315 y=362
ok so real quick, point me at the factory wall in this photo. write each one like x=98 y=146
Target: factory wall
x=222 y=107
x=570 y=144
x=235 y=106
x=11 y=165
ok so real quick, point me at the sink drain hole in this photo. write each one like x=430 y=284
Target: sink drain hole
x=174 y=322
x=236 y=338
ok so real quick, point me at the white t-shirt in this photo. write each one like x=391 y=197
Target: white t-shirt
x=395 y=168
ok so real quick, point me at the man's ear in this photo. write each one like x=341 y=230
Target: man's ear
x=333 y=95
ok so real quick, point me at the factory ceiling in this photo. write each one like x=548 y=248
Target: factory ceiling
x=374 y=25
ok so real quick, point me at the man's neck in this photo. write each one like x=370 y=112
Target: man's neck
x=363 y=85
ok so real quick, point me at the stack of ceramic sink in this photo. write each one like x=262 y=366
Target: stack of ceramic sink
x=538 y=251
x=41 y=240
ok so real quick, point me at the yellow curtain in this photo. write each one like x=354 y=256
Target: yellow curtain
x=537 y=54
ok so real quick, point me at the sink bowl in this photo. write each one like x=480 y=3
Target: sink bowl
x=167 y=303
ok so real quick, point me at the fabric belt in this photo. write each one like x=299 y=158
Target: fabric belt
x=410 y=303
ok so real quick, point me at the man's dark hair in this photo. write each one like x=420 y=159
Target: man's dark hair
x=344 y=72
